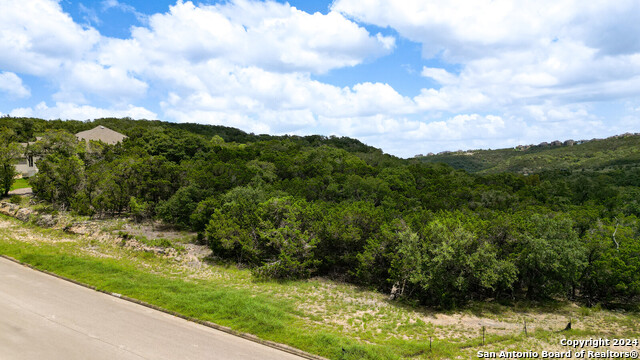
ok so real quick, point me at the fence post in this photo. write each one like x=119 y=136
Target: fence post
x=568 y=325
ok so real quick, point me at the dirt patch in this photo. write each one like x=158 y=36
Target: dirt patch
x=23 y=191
x=103 y=236
x=155 y=230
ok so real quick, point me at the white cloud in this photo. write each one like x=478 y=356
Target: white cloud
x=12 y=85
x=89 y=15
x=71 y=111
x=442 y=76
x=270 y=35
x=283 y=102
x=628 y=123
x=454 y=99
x=115 y=4
x=407 y=137
x=37 y=37
x=461 y=127
x=107 y=82
x=516 y=53
x=549 y=112
x=467 y=30
x=241 y=56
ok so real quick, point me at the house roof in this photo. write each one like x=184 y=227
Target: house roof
x=101 y=133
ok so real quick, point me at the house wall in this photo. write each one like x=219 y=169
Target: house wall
x=27 y=168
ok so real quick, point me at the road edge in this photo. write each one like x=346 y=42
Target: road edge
x=246 y=336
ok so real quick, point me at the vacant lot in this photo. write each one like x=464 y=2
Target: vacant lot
x=331 y=319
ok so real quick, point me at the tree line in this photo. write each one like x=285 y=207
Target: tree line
x=296 y=207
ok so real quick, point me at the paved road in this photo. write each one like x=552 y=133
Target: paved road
x=43 y=317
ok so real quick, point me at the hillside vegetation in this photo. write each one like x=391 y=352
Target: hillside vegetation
x=327 y=318
x=596 y=155
x=297 y=207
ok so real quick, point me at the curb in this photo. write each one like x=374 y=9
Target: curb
x=250 y=337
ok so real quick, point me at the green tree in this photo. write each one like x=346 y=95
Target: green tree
x=201 y=216
x=232 y=231
x=59 y=179
x=287 y=239
x=61 y=171
x=57 y=142
x=345 y=229
x=10 y=152
x=612 y=273
x=551 y=257
x=178 y=209
x=451 y=264
x=139 y=209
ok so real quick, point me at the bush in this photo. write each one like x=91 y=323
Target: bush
x=551 y=257
x=139 y=209
x=450 y=264
x=178 y=209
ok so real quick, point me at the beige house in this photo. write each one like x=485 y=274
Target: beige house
x=26 y=167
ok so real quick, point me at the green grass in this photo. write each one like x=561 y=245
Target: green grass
x=239 y=309
x=20 y=184
x=164 y=243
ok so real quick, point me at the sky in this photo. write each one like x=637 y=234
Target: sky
x=409 y=77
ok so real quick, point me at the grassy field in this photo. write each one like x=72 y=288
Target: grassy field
x=335 y=320
x=20 y=184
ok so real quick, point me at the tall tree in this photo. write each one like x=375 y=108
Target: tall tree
x=61 y=172
x=10 y=152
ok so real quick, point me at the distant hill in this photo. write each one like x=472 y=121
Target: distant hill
x=621 y=151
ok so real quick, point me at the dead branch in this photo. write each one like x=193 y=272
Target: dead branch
x=614 y=234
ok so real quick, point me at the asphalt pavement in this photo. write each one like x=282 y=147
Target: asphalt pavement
x=43 y=317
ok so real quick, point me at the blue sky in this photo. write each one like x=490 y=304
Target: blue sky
x=409 y=77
